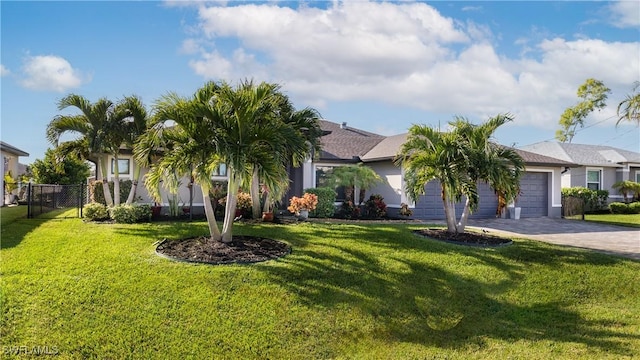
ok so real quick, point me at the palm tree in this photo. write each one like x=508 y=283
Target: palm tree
x=97 y=128
x=629 y=108
x=305 y=123
x=351 y=177
x=135 y=120
x=458 y=160
x=221 y=124
x=626 y=187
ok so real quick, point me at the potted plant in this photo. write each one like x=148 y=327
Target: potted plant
x=302 y=205
x=155 y=210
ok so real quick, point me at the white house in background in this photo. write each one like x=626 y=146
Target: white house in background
x=10 y=156
x=597 y=167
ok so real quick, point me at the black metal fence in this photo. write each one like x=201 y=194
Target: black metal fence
x=44 y=198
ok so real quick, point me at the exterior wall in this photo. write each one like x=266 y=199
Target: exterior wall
x=610 y=175
x=391 y=188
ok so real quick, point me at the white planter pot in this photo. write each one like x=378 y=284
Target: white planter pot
x=303 y=214
x=514 y=213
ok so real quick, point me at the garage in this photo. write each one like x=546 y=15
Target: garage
x=534 y=194
x=533 y=199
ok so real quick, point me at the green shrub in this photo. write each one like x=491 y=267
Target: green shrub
x=129 y=214
x=95 y=212
x=634 y=207
x=326 y=199
x=143 y=213
x=594 y=200
x=375 y=207
x=97 y=194
x=619 y=208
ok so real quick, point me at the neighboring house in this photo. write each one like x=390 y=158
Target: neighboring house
x=10 y=155
x=597 y=167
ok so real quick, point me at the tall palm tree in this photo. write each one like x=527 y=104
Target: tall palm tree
x=629 y=108
x=220 y=124
x=458 y=160
x=306 y=141
x=95 y=127
x=499 y=166
x=135 y=119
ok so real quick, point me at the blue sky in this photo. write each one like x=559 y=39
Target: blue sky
x=377 y=66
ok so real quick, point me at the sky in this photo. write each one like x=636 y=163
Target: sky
x=378 y=66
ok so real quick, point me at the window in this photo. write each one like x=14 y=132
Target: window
x=123 y=166
x=638 y=176
x=322 y=176
x=220 y=171
x=594 y=179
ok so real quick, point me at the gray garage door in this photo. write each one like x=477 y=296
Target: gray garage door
x=429 y=206
x=534 y=196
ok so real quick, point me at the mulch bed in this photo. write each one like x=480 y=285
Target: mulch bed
x=466 y=238
x=242 y=249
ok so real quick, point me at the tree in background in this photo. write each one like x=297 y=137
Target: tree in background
x=594 y=96
x=61 y=170
x=629 y=108
x=352 y=177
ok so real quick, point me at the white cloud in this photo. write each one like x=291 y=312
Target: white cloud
x=625 y=13
x=50 y=72
x=4 y=71
x=408 y=55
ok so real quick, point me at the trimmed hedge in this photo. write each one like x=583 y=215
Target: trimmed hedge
x=594 y=200
x=129 y=214
x=622 y=208
x=95 y=212
x=97 y=194
x=326 y=199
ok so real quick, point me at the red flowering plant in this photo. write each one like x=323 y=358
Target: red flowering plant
x=306 y=202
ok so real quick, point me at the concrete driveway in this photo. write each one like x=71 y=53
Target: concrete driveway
x=611 y=239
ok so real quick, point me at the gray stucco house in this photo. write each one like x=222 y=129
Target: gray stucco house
x=597 y=167
x=342 y=144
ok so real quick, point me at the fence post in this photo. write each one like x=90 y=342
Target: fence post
x=29 y=201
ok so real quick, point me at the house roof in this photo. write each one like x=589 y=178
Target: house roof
x=386 y=149
x=531 y=158
x=12 y=149
x=585 y=155
x=343 y=142
x=390 y=146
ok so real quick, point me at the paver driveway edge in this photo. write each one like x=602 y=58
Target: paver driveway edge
x=611 y=239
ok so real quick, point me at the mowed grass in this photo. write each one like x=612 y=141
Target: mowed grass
x=345 y=292
x=630 y=220
x=8 y=214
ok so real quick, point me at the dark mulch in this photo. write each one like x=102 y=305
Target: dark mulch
x=466 y=238
x=242 y=249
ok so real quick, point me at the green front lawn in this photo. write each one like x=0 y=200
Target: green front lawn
x=9 y=214
x=631 y=220
x=346 y=291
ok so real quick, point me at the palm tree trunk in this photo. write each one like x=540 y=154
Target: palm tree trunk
x=465 y=216
x=116 y=181
x=214 y=231
x=255 y=194
x=449 y=213
x=134 y=184
x=105 y=183
x=230 y=209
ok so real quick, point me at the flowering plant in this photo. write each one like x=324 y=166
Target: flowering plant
x=306 y=202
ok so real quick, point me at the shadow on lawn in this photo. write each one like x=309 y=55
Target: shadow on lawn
x=415 y=301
